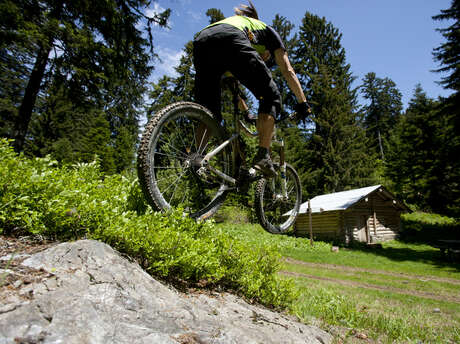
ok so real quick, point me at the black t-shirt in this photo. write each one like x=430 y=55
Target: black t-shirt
x=261 y=36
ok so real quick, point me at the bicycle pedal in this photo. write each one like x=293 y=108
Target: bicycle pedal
x=252 y=172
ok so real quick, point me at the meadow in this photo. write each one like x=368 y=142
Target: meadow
x=402 y=292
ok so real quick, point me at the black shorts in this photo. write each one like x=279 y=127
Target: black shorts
x=222 y=48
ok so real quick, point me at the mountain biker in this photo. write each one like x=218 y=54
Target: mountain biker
x=244 y=46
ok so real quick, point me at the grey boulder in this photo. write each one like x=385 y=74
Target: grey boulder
x=91 y=294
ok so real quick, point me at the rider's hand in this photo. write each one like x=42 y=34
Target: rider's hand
x=302 y=111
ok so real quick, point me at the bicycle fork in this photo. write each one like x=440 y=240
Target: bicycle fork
x=280 y=145
x=205 y=161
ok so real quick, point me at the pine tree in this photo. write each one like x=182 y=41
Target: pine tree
x=285 y=29
x=337 y=156
x=214 y=15
x=448 y=54
x=411 y=159
x=93 y=49
x=382 y=112
x=71 y=132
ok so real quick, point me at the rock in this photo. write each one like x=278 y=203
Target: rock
x=96 y=296
x=17 y=284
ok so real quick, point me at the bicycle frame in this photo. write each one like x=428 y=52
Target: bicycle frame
x=239 y=128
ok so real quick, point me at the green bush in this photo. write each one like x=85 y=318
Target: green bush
x=428 y=228
x=77 y=201
x=232 y=214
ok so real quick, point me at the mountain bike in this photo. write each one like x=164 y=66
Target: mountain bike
x=187 y=160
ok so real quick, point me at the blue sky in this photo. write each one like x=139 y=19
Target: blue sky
x=393 y=38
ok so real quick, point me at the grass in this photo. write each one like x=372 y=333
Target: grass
x=354 y=290
x=381 y=280
x=400 y=293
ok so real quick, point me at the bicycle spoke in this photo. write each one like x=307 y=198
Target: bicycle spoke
x=170 y=156
x=181 y=131
x=175 y=182
x=183 y=198
x=174 y=191
x=202 y=139
x=166 y=178
x=175 y=157
x=167 y=168
x=194 y=137
x=166 y=143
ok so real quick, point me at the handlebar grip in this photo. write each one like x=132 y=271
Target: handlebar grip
x=290 y=116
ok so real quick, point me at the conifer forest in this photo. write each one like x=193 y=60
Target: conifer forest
x=75 y=84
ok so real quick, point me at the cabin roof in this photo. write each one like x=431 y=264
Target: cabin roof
x=345 y=199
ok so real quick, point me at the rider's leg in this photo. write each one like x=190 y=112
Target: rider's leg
x=262 y=160
x=265 y=128
x=208 y=70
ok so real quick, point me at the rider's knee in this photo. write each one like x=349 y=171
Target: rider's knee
x=270 y=101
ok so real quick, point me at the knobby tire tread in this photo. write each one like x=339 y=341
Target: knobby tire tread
x=258 y=203
x=143 y=162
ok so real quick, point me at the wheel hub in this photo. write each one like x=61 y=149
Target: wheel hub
x=193 y=162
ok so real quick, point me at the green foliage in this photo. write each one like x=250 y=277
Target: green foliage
x=232 y=214
x=448 y=53
x=214 y=15
x=73 y=74
x=256 y=236
x=428 y=228
x=422 y=162
x=336 y=157
x=285 y=29
x=383 y=111
x=75 y=201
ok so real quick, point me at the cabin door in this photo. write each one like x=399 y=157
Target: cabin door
x=363 y=229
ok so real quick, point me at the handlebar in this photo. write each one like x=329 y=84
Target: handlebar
x=289 y=116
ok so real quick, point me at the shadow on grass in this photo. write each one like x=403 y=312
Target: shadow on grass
x=417 y=252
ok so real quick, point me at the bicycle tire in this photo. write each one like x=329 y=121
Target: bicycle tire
x=275 y=213
x=168 y=145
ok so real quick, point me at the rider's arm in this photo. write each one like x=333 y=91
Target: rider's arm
x=242 y=105
x=289 y=75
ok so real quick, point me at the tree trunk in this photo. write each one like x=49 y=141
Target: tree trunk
x=380 y=145
x=30 y=96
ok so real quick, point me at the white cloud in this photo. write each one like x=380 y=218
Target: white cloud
x=157 y=9
x=169 y=59
x=195 y=16
x=150 y=12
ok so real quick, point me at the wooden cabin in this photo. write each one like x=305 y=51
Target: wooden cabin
x=368 y=215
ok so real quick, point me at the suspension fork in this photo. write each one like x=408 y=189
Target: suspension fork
x=280 y=144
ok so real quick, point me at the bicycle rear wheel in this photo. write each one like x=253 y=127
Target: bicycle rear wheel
x=276 y=209
x=173 y=144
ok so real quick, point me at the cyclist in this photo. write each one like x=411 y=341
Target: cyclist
x=245 y=47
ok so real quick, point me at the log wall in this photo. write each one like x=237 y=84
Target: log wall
x=358 y=223
x=325 y=225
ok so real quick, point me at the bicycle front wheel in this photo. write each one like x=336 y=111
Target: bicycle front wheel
x=277 y=200
x=169 y=160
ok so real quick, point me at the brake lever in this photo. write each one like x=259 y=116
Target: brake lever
x=291 y=116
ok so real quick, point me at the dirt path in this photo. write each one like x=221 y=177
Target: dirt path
x=379 y=272
x=376 y=287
